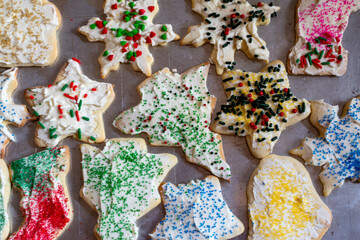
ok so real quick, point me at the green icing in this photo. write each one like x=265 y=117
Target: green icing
x=121 y=180
x=31 y=174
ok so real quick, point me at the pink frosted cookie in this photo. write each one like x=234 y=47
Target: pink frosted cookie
x=320 y=25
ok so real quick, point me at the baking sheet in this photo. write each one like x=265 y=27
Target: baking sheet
x=279 y=36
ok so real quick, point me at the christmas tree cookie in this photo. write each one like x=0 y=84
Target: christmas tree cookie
x=127 y=32
x=337 y=149
x=196 y=210
x=10 y=113
x=45 y=202
x=121 y=183
x=73 y=106
x=175 y=110
x=28 y=33
x=320 y=26
x=283 y=203
x=259 y=106
x=230 y=26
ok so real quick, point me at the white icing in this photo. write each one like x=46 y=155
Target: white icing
x=27 y=32
x=198 y=211
x=255 y=48
x=115 y=20
x=122 y=183
x=284 y=206
x=47 y=100
x=176 y=111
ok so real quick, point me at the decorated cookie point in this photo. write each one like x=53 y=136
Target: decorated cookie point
x=64 y=108
x=175 y=110
x=259 y=106
x=230 y=26
x=128 y=32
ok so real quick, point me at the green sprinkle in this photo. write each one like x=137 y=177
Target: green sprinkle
x=36 y=113
x=123 y=43
x=131 y=4
x=142 y=27
x=92 y=138
x=325 y=63
x=127 y=19
x=93 y=26
x=105 y=22
x=106 y=53
x=41 y=125
x=164 y=28
x=144 y=17
x=274 y=138
x=309 y=46
x=321 y=54
x=80 y=104
x=297 y=61
x=79 y=133
x=163 y=37
x=64 y=87
x=71 y=113
x=86 y=118
x=309 y=59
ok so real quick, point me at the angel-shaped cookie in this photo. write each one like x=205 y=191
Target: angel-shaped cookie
x=337 y=149
x=73 y=106
x=28 y=33
x=121 y=182
x=320 y=25
x=127 y=32
x=259 y=106
x=175 y=110
x=230 y=26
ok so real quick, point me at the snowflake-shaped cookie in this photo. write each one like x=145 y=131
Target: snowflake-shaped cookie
x=121 y=182
x=200 y=208
x=175 y=110
x=259 y=106
x=73 y=106
x=127 y=33
x=337 y=148
x=230 y=26
x=10 y=113
x=28 y=33
x=319 y=31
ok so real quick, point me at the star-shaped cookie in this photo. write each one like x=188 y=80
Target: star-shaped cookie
x=175 y=110
x=45 y=202
x=127 y=32
x=259 y=106
x=196 y=210
x=320 y=27
x=10 y=113
x=73 y=106
x=230 y=26
x=121 y=183
x=283 y=203
x=28 y=33
x=337 y=148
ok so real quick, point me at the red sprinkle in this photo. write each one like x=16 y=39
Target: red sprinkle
x=76 y=60
x=128 y=38
x=339 y=50
x=71 y=84
x=281 y=114
x=152 y=34
x=233 y=15
x=111 y=57
x=151 y=8
x=114 y=6
x=253 y=109
x=132 y=59
x=99 y=24
x=294 y=110
x=93 y=89
x=241 y=84
x=249 y=95
x=138 y=53
x=261 y=93
x=85 y=95
x=259 y=4
x=68 y=96
x=124 y=50
x=141 y=12
x=49 y=86
x=148 y=40
x=285 y=90
x=272 y=92
x=242 y=15
x=77 y=116
x=74 y=88
x=60 y=110
x=104 y=31
x=32 y=97
x=135 y=45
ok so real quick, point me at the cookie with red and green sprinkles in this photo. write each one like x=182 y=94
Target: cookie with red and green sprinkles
x=320 y=27
x=45 y=202
x=259 y=106
x=128 y=32
x=229 y=26
x=175 y=110
x=10 y=113
x=121 y=183
x=5 y=189
x=72 y=106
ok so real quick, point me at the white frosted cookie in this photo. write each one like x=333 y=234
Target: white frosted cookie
x=73 y=106
x=259 y=106
x=5 y=188
x=127 y=32
x=283 y=203
x=175 y=110
x=121 y=183
x=10 y=113
x=45 y=201
x=230 y=26
x=337 y=149
x=198 y=211
x=320 y=26
x=28 y=33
